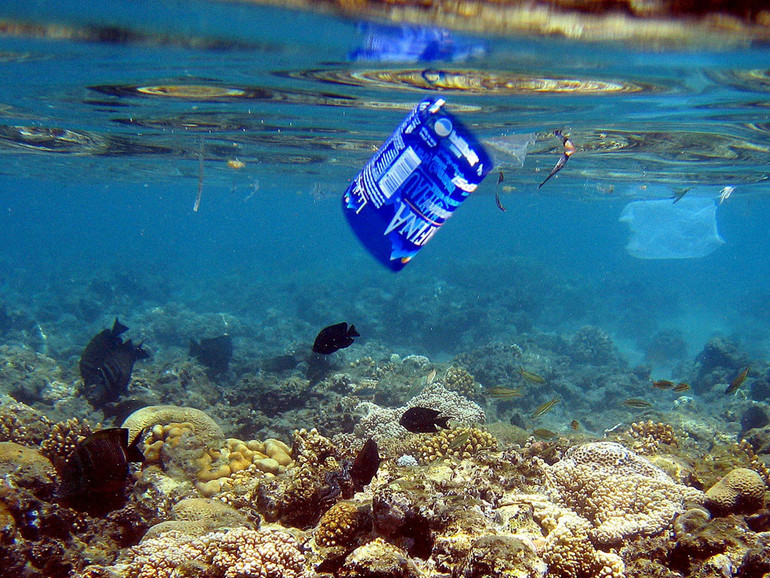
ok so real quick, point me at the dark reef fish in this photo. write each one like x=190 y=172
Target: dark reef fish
x=106 y=364
x=96 y=472
x=737 y=382
x=334 y=338
x=365 y=466
x=569 y=150
x=423 y=420
x=215 y=353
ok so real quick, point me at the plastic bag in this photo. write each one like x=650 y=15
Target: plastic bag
x=663 y=230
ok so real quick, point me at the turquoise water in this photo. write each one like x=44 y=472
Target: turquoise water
x=99 y=174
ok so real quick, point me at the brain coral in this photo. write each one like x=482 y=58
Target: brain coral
x=741 y=490
x=205 y=428
x=621 y=493
x=237 y=553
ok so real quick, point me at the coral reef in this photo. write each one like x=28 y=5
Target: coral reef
x=740 y=491
x=569 y=552
x=648 y=437
x=621 y=493
x=457 y=443
x=380 y=423
x=592 y=345
x=22 y=424
x=235 y=553
x=458 y=379
x=205 y=428
x=341 y=523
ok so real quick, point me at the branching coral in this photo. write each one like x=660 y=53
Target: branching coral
x=64 y=438
x=621 y=493
x=647 y=437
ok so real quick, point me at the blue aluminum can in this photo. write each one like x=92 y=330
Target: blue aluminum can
x=414 y=183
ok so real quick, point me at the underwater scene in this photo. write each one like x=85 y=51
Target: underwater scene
x=234 y=341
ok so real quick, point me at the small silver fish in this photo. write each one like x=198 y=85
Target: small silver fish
x=725 y=193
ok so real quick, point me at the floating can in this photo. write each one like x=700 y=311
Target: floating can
x=413 y=183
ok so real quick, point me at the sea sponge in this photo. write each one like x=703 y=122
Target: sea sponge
x=568 y=551
x=741 y=491
x=621 y=493
x=205 y=428
x=458 y=443
x=340 y=524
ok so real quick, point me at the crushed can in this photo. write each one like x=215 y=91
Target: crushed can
x=413 y=183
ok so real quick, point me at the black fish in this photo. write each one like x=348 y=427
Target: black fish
x=365 y=466
x=106 y=364
x=423 y=420
x=97 y=470
x=215 y=353
x=334 y=338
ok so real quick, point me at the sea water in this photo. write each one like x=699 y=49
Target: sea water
x=106 y=141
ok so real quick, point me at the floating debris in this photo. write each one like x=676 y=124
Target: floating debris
x=545 y=408
x=725 y=193
x=498 y=202
x=737 y=382
x=197 y=203
x=569 y=150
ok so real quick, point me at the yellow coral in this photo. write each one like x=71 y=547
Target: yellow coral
x=339 y=525
x=457 y=443
x=458 y=379
x=568 y=551
x=648 y=436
